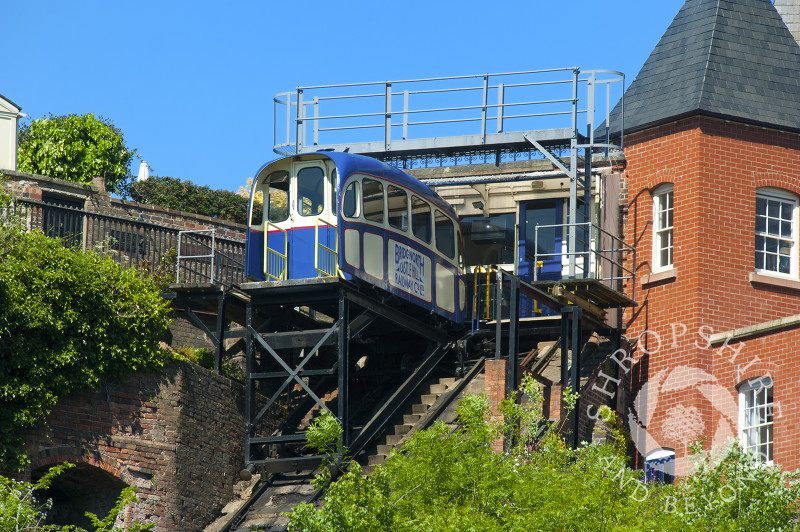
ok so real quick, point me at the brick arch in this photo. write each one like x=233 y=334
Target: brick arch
x=661 y=177
x=759 y=369
x=782 y=181
x=77 y=455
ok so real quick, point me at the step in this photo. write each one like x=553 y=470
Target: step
x=438 y=389
x=410 y=419
x=448 y=381
x=384 y=449
x=367 y=470
x=376 y=459
x=428 y=399
x=402 y=429
x=393 y=439
x=419 y=408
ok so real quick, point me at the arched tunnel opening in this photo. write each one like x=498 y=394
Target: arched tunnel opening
x=83 y=488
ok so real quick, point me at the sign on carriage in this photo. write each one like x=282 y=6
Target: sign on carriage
x=409 y=270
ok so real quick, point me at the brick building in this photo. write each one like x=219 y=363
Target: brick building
x=712 y=125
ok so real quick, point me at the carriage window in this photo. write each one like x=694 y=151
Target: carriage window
x=420 y=219
x=460 y=257
x=445 y=234
x=397 y=202
x=334 y=191
x=310 y=190
x=278 y=193
x=373 y=200
x=350 y=200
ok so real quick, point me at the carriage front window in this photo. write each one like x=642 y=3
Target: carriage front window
x=310 y=190
x=421 y=219
x=373 y=200
x=445 y=234
x=278 y=194
x=350 y=200
x=397 y=200
x=334 y=194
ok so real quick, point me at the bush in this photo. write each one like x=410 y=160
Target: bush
x=68 y=319
x=187 y=197
x=75 y=148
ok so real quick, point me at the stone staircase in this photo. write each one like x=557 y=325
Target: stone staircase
x=406 y=424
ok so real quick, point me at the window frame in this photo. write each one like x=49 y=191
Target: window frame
x=756 y=386
x=660 y=205
x=785 y=197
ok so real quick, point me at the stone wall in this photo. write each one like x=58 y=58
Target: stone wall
x=177 y=436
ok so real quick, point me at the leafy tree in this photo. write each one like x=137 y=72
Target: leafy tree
x=68 y=319
x=447 y=479
x=185 y=196
x=75 y=148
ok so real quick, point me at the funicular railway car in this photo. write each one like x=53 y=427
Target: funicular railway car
x=341 y=214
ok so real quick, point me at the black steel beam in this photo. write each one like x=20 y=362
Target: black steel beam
x=401 y=395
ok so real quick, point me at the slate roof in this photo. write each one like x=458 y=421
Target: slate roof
x=733 y=59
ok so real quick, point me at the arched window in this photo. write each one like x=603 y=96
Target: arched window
x=755 y=417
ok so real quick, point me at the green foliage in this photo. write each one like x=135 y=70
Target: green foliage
x=324 y=433
x=447 y=479
x=68 y=319
x=127 y=496
x=20 y=510
x=735 y=492
x=185 y=196
x=204 y=357
x=76 y=148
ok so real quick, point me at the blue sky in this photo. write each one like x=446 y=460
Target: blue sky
x=190 y=84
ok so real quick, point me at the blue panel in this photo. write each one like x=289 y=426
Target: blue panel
x=548 y=245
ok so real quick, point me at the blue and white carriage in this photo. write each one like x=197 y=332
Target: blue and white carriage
x=341 y=214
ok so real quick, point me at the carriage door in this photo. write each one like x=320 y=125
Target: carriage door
x=547 y=241
x=311 y=216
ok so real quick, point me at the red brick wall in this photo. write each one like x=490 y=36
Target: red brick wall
x=495 y=386
x=715 y=168
x=177 y=436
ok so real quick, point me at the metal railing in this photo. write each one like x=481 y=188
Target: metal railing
x=130 y=242
x=326 y=259
x=603 y=255
x=203 y=257
x=326 y=115
x=275 y=262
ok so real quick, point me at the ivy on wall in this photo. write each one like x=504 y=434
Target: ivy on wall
x=68 y=319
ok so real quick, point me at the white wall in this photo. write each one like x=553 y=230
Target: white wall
x=9 y=121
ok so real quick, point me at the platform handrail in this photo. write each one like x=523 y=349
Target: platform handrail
x=326 y=259
x=595 y=254
x=275 y=262
x=302 y=115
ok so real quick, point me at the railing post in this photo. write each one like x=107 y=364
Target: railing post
x=405 y=115
x=500 y=104
x=387 y=125
x=316 y=120
x=484 y=107
x=299 y=138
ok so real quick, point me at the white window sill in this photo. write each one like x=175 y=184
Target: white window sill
x=778 y=282
x=667 y=276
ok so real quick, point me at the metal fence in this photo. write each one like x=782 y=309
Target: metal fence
x=134 y=243
x=399 y=114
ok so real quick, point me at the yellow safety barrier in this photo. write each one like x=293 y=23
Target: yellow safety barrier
x=479 y=270
x=326 y=259
x=274 y=261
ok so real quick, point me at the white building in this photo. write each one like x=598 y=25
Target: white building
x=9 y=125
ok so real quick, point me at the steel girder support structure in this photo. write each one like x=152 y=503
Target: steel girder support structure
x=325 y=364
